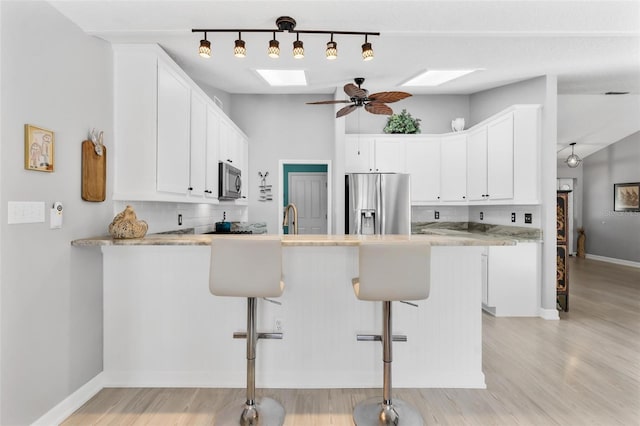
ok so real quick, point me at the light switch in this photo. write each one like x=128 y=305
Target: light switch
x=25 y=212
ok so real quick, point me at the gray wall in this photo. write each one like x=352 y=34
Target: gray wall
x=280 y=127
x=543 y=91
x=54 y=76
x=611 y=234
x=435 y=112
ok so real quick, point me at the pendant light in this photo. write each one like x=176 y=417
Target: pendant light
x=573 y=160
x=298 y=48
x=205 y=47
x=332 y=49
x=240 y=51
x=274 y=48
x=367 y=50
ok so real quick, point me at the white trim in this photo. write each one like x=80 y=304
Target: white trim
x=549 y=314
x=613 y=260
x=67 y=406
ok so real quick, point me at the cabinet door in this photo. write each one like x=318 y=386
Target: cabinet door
x=477 y=164
x=423 y=164
x=453 y=176
x=174 y=102
x=500 y=158
x=358 y=154
x=211 y=170
x=198 y=147
x=389 y=155
x=227 y=143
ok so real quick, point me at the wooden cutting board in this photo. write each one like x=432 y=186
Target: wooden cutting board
x=94 y=173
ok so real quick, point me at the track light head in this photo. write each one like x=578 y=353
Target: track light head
x=205 y=48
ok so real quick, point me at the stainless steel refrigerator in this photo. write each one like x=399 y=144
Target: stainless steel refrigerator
x=377 y=203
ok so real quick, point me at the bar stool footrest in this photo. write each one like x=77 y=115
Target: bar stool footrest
x=243 y=335
x=378 y=338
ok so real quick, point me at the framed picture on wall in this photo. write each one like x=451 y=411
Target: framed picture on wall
x=626 y=197
x=38 y=148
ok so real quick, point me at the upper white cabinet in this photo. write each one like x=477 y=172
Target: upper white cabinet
x=477 y=164
x=198 y=147
x=422 y=161
x=168 y=132
x=368 y=154
x=453 y=163
x=500 y=158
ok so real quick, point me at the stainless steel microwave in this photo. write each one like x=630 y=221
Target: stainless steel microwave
x=229 y=182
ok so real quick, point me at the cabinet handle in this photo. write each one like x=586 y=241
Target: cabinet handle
x=438 y=197
x=464 y=196
x=229 y=160
x=207 y=191
x=190 y=188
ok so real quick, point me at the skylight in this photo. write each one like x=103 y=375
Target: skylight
x=284 y=77
x=436 y=77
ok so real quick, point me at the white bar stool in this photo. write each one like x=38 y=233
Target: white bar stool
x=251 y=268
x=390 y=271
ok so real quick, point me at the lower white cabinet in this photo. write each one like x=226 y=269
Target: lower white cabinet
x=511 y=280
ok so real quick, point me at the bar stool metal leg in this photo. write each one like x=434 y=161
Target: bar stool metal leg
x=372 y=412
x=263 y=412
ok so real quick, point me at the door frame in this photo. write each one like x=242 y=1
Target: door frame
x=281 y=164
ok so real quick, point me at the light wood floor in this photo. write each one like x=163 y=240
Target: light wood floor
x=581 y=370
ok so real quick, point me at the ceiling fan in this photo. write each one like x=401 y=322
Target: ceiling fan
x=374 y=103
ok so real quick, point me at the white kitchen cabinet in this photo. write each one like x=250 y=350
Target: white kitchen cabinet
x=511 y=284
x=453 y=176
x=422 y=162
x=198 y=146
x=174 y=102
x=164 y=135
x=500 y=158
x=477 y=164
x=230 y=144
x=211 y=165
x=369 y=154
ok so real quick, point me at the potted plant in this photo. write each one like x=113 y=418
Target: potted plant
x=402 y=123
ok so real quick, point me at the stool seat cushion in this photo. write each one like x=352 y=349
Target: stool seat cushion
x=246 y=267
x=392 y=271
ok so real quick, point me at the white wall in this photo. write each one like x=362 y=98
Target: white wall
x=280 y=127
x=56 y=77
x=434 y=111
x=543 y=91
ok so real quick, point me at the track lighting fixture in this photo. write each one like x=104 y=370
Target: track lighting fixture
x=367 y=50
x=332 y=49
x=239 y=51
x=298 y=48
x=274 y=47
x=205 y=47
x=573 y=160
x=285 y=24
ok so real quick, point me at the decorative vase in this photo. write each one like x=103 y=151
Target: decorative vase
x=126 y=225
x=457 y=124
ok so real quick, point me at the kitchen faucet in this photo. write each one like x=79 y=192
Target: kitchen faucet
x=285 y=221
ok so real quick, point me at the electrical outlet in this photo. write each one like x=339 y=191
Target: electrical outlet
x=179 y=220
x=513 y=217
x=527 y=218
x=481 y=215
x=436 y=214
x=278 y=325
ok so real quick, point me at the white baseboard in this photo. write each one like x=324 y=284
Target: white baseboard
x=549 y=314
x=613 y=260
x=64 y=409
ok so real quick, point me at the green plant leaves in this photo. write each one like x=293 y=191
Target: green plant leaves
x=402 y=123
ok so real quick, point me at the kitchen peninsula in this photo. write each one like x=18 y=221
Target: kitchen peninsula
x=162 y=327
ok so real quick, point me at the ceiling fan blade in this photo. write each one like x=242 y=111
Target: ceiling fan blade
x=329 y=102
x=354 y=91
x=389 y=96
x=346 y=110
x=378 y=108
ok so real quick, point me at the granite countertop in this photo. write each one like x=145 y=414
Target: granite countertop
x=475 y=229
x=298 y=240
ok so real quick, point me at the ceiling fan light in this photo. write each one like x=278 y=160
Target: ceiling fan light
x=367 y=52
x=298 y=49
x=240 y=51
x=205 y=49
x=274 y=49
x=573 y=160
x=332 y=50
